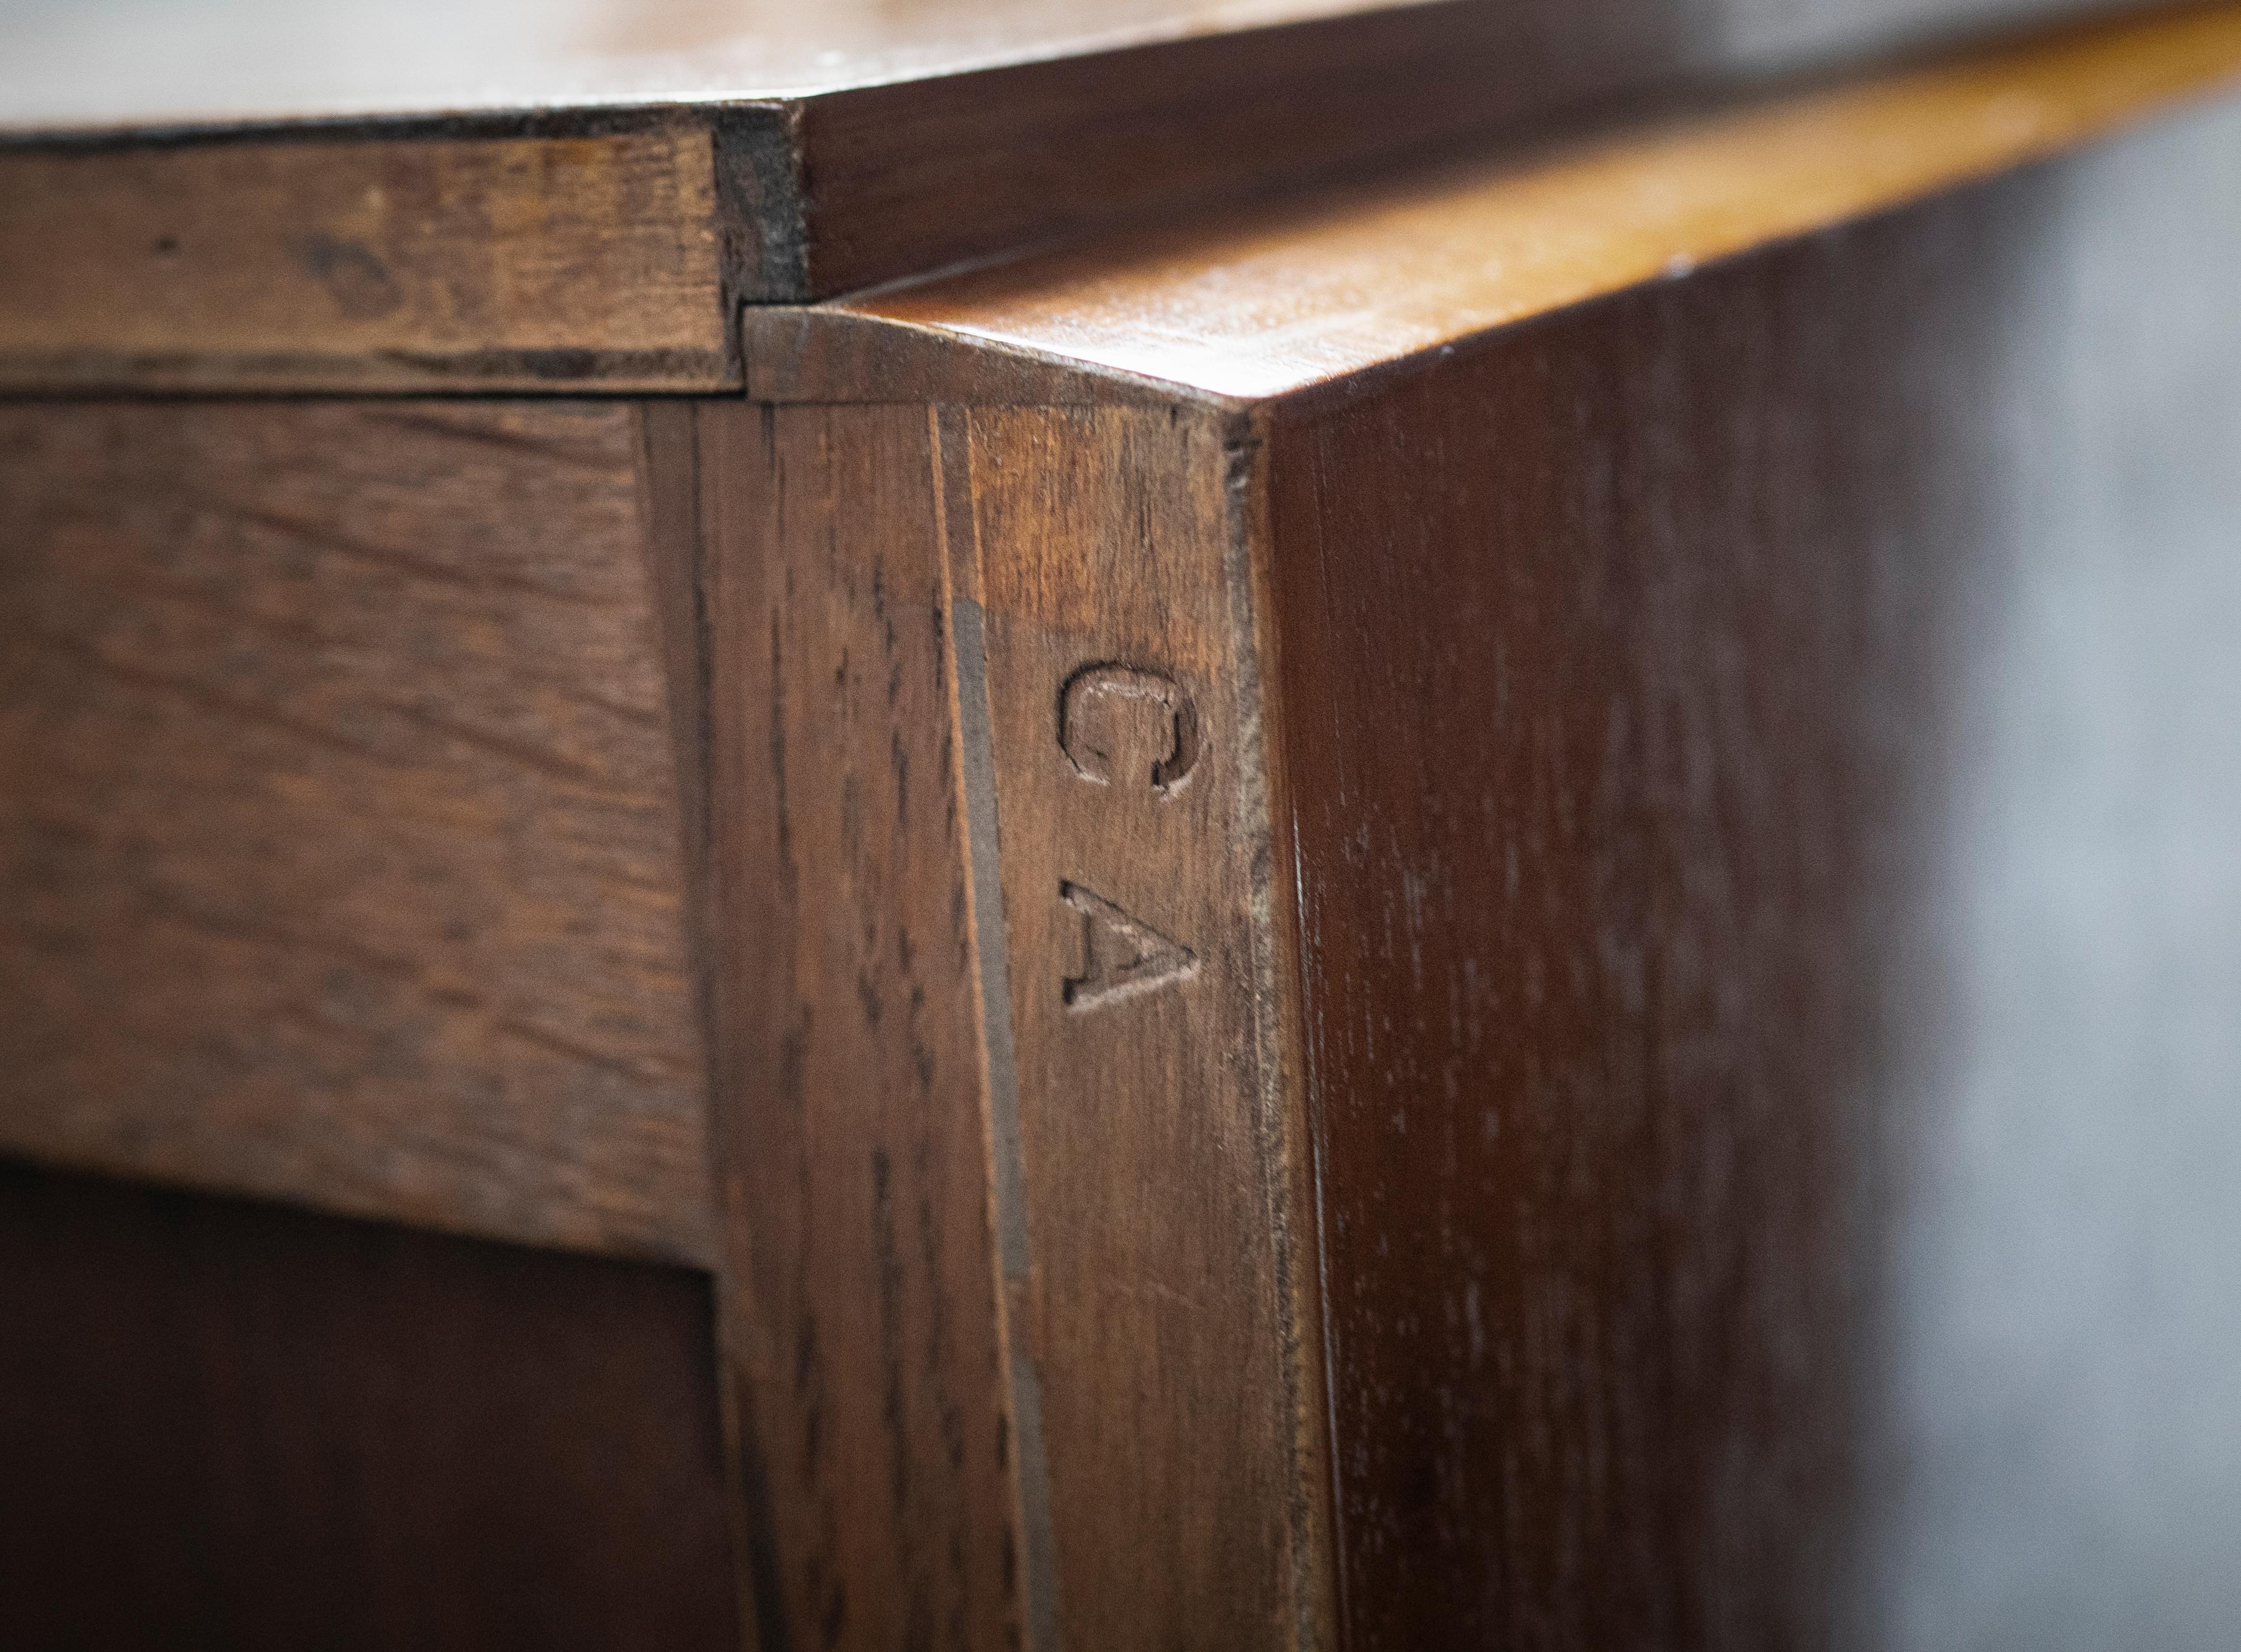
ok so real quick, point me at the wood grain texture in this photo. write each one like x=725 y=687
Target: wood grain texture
x=109 y=65
x=923 y=174
x=1018 y=1307
x=1140 y=742
x=1763 y=882
x=1159 y=1266
x=1619 y=648
x=1327 y=288
x=340 y=835
x=233 y=1425
x=866 y=1359
x=1600 y=727
x=427 y=260
x=598 y=224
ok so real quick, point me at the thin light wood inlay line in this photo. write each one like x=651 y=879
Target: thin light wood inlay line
x=977 y=759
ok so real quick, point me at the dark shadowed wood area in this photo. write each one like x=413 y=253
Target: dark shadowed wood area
x=229 y=1425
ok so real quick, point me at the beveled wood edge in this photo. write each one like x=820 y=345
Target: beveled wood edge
x=1281 y=1028
x=348 y=258
x=805 y=185
x=1762 y=171
x=1004 y=158
x=811 y=198
x=831 y=355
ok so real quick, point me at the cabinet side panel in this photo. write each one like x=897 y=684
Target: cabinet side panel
x=339 y=847
x=1612 y=651
x=1722 y=719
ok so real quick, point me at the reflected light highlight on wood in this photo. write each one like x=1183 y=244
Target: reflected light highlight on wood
x=1354 y=282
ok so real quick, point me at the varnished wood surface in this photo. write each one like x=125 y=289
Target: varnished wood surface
x=550 y=205
x=461 y=262
x=1602 y=727
x=1331 y=288
x=107 y=64
x=1294 y=993
x=340 y=850
x=1768 y=951
x=1622 y=642
x=229 y=1425
x=865 y=1357
x=1161 y=1271
x=1019 y=1313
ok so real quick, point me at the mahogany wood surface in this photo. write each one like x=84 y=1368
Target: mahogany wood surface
x=1274 y=862
x=230 y=1425
x=439 y=262
x=1107 y=606
x=109 y=65
x=1333 y=287
x=493 y=199
x=1604 y=734
x=1766 y=881
x=1620 y=561
x=863 y=1358
x=1007 y=1184
x=340 y=851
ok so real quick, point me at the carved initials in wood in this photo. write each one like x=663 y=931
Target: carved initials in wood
x=1122 y=955
x=1089 y=728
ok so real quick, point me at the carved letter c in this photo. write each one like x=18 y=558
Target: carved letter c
x=1128 y=685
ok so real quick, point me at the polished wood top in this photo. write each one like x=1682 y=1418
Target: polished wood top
x=1348 y=282
x=121 y=66
x=496 y=195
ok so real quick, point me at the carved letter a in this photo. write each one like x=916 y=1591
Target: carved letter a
x=1122 y=955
